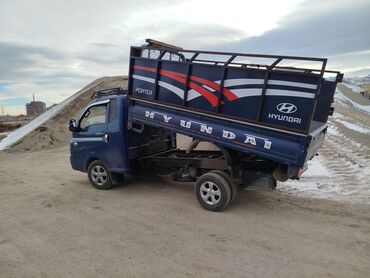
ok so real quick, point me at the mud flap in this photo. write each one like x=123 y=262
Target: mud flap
x=258 y=181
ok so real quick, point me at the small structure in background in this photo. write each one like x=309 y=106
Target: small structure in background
x=366 y=91
x=35 y=108
x=22 y=117
x=9 y=123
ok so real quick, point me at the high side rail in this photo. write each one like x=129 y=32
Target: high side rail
x=228 y=85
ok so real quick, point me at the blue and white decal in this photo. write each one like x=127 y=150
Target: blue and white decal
x=227 y=134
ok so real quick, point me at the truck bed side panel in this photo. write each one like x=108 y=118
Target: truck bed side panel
x=283 y=147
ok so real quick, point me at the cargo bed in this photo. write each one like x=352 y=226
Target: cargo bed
x=275 y=112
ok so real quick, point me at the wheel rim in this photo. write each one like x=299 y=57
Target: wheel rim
x=99 y=175
x=210 y=193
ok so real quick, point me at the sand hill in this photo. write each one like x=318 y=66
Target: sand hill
x=50 y=129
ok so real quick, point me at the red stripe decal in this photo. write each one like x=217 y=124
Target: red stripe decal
x=227 y=93
x=212 y=99
x=181 y=77
x=144 y=68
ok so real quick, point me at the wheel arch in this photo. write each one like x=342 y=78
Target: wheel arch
x=89 y=161
x=226 y=152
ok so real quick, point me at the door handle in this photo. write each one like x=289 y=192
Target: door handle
x=99 y=134
x=106 y=138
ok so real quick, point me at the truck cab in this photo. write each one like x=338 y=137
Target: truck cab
x=101 y=134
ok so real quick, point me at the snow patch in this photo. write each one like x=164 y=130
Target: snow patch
x=354 y=127
x=353 y=87
x=316 y=169
x=311 y=189
x=333 y=130
x=5 y=133
x=333 y=176
x=339 y=95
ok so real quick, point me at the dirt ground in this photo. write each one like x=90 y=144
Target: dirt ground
x=54 y=224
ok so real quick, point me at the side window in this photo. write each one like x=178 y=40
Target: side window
x=95 y=115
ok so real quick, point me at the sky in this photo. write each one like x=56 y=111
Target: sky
x=53 y=48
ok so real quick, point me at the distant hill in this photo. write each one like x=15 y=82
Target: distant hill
x=365 y=72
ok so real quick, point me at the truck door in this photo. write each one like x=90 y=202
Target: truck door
x=89 y=142
x=114 y=138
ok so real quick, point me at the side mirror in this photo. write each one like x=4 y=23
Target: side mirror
x=73 y=125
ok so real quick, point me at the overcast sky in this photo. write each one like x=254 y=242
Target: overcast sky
x=53 y=48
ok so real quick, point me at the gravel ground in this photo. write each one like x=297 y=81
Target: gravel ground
x=54 y=224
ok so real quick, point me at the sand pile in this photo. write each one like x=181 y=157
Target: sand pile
x=54 y=132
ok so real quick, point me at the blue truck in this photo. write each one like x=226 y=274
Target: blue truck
x=266 y=120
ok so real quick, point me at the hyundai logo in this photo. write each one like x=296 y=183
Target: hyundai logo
x=286 y=107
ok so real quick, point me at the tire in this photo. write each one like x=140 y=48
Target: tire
x=213 y=191
x=232 y=184
x=99 y=176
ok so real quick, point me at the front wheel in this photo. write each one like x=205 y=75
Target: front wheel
x=213 y=191
x=99 y=175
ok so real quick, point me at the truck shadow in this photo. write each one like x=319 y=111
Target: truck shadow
x=185 y=190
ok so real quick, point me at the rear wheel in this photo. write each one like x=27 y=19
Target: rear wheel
x=213 y=191
x=99 y=175
x=232 y=184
